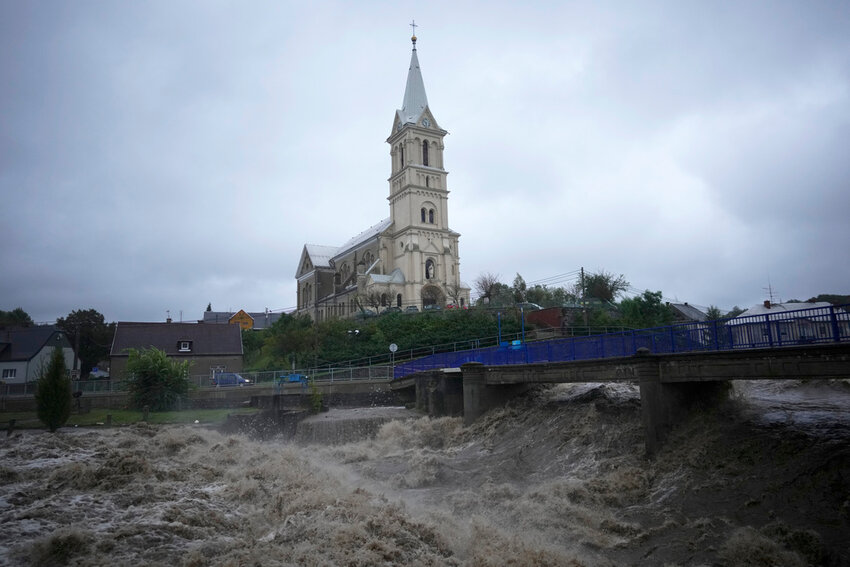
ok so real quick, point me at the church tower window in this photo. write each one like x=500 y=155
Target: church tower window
x=427 y=181
x=431 y=216
x=425 y=152
x=423 y=214
x=401 y=153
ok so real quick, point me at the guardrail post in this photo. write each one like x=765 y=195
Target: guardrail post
x=836 y=330
x=769 y=331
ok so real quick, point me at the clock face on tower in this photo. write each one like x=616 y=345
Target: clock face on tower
x=426 y=122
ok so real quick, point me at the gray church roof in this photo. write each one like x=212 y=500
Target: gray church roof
x=367 y=234
x=321 y=255
x=415 y=100
x=396 y=276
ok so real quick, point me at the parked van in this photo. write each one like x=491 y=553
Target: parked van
x=229 y=379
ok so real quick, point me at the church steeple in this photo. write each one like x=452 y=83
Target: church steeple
x=415 y=101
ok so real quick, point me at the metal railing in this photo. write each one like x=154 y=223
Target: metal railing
x=772 y=330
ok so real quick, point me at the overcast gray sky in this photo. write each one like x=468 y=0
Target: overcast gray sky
x=157 y=156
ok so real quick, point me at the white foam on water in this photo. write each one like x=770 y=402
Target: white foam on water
x=557 y=477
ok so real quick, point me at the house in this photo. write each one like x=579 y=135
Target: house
x=684 y=313
x=209 y=348
x=25 y=351
x=772 y=324
x=254 y=320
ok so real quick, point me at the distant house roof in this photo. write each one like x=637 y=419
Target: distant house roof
x=262 y=320
x=23 y=343
x=687 y=312
x=770 y=308
x=207 y=340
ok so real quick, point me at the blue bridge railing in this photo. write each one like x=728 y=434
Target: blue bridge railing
x=775 y=329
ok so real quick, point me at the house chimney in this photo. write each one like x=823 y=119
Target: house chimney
x=767 y=304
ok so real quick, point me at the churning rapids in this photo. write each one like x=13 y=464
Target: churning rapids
x=558 y=477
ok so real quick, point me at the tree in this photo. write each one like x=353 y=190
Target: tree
x=713 y=313
x=734 y=312
x=604 y=286
x=17 y=317
x=645 y=311
x=485 y=284
x=154 y=380
x=291 y=339
x=53 y=392
x=454 y=292
x=519 y=289
x=91 y=336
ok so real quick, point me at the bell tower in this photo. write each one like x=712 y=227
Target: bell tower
x=424 y=247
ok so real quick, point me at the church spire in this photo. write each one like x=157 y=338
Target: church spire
x=415 y=100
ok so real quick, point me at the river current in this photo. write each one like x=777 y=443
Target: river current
x=557 y=477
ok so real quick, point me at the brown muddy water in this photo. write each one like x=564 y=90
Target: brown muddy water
x=558 y=477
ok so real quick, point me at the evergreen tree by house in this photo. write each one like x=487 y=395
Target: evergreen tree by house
x=154 y=380
x=53 y=393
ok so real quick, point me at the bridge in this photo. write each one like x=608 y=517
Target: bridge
x=677 y=367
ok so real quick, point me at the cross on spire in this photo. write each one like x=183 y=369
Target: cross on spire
x=413 y=26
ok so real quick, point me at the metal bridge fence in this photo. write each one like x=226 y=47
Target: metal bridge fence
x=782 y=328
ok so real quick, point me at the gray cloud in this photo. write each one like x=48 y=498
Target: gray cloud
x=158 y=156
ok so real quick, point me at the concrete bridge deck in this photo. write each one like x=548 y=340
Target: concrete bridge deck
x=670 y=384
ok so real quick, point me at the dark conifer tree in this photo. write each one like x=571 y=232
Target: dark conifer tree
x=53 y=393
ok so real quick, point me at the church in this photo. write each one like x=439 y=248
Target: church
x=408 y=261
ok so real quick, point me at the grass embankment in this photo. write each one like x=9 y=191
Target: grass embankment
x=98 y=417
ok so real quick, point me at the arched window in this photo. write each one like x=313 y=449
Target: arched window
x=398 y=300
x=427 y=181
x=423 y=214
x=383 y=300
x=431 y=216
x=401 y=153
x=425 y=152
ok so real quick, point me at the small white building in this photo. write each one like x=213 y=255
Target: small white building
x=775 y=324
x=26 y=351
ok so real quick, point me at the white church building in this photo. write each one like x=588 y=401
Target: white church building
x=409 y=260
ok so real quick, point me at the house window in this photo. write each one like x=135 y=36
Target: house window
x=425 y=152
x=9 y=372
x=383 y=300
x=184 y=346
x=398 y=300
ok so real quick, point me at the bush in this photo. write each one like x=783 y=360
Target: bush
x=154 y=380
x=53 y=393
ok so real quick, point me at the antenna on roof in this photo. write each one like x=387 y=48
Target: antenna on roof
x=769 y=290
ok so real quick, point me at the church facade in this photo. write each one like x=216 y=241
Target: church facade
x=408 y=261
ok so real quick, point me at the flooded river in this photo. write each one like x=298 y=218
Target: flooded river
x=558 y=477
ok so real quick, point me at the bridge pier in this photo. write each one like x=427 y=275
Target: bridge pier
x=666 y=404
x=479 y=396
x=440 y=393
